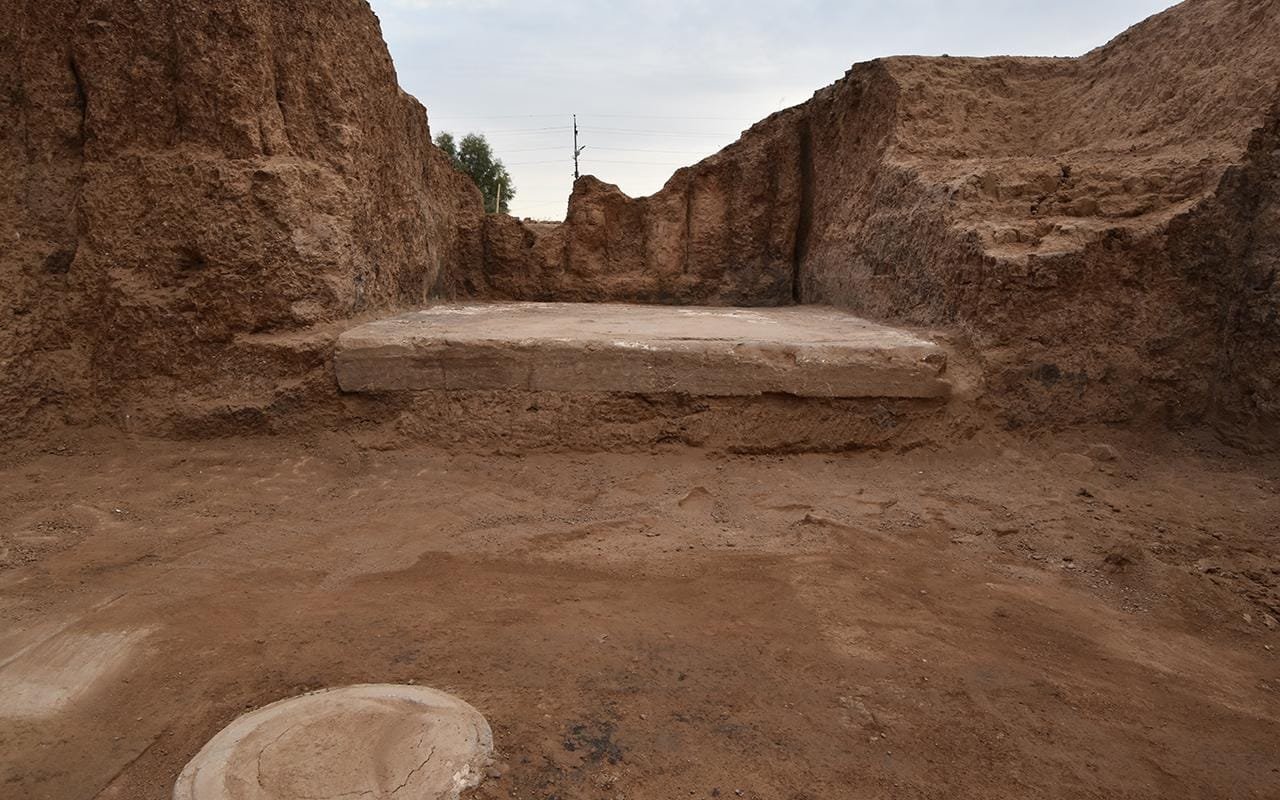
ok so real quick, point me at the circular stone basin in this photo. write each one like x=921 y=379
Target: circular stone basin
x=368 y=741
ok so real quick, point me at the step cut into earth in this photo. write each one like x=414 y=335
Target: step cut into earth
x=699 y=351
x=197 y=196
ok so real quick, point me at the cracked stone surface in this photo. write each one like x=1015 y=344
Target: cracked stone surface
x=805 y=351
x=370 y=741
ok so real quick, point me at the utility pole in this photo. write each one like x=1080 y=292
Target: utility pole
x=497 y=209
x=577 y=151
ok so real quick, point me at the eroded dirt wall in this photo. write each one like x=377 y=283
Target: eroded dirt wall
x=1100 y=228
x=177 y=174
x=1083 y=220
x=1231 y=246
x=722 y=232
x=179 y=178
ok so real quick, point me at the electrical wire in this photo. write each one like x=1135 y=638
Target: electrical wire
x=531 y=130
x=656 y=133
x=646 y=163
x=590 y=116
x=651 y=116
x=535 y=149
x=645 y=150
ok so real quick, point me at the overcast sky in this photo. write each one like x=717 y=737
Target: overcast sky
x=662 y=83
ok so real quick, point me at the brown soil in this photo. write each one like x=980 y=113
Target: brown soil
x=178 y=180
x=176 y=175
x=1103 y=228
x=197 y=198
x=1013 y=620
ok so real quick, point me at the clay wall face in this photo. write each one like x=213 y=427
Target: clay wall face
x=722 y=232
x=1066 y=214
x=179 y=174
x=1230 y=248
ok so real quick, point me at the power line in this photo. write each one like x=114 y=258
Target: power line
x=611 y=149
x=601 y=116
x=650 y=116
x=556 y=128
x=647 y=163
x=659 y=133
x=501 y=116
x=534 y=134
x=598 y=161
x=530 y=130
x=643 y=150
x=577 y=151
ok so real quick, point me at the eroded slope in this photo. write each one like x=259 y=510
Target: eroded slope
x=1100 y=226
x=177 y=175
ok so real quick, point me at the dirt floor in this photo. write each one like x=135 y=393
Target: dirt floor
x=1026 y=619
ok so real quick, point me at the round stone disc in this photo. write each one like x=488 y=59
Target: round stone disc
x=358 y=741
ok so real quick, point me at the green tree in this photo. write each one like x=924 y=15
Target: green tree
x=474 y=156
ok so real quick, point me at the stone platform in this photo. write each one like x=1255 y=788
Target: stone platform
x=800 y=351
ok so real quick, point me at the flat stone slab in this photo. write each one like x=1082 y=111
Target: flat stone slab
x=375 y=741
x=807 y=351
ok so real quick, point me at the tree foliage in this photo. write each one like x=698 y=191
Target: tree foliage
x=474 y=156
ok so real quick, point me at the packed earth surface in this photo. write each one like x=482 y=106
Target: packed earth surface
x=282 y=410
x=1090 y=617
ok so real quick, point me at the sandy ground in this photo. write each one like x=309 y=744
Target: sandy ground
x=1009 y=621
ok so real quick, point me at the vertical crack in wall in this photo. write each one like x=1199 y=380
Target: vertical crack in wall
x=688 y=224
x=804 y=221
x=174 y=73
x=82 y=97
x=279 y=85
x=79 y=220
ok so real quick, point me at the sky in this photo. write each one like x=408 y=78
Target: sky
x=661 y=84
